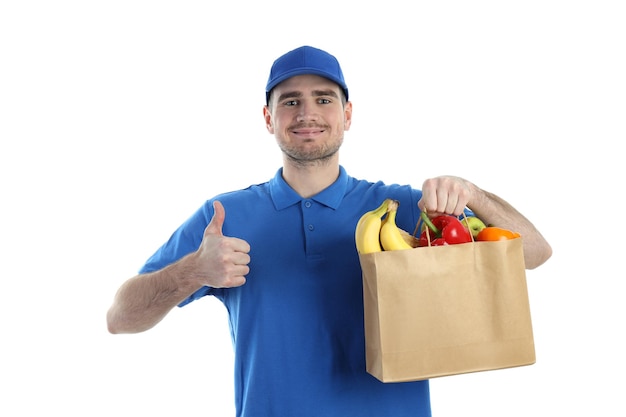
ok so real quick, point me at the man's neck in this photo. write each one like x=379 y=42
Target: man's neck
x=310 y=180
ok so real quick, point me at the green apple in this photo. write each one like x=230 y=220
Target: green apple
x=473 y=224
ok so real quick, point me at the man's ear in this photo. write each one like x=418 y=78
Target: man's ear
x=347 y=115
x=268 y=119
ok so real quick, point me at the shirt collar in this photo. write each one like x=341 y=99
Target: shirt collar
x=284 y=196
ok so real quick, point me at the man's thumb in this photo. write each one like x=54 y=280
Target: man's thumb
x=215 y=226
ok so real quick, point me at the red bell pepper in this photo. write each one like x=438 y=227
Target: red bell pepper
x=444 y=230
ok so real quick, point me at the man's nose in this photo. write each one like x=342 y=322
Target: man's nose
x=307 y=112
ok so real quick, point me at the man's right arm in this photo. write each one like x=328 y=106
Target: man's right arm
x=144 y=300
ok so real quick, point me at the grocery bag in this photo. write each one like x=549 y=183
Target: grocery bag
x=444 y=310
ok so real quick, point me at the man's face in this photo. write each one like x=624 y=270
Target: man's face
x=307 y=116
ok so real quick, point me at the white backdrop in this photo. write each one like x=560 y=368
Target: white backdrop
x=119 y=118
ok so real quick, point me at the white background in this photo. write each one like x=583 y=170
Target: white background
x=119 y=118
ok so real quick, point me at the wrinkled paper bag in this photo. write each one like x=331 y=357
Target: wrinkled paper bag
x=445 y=310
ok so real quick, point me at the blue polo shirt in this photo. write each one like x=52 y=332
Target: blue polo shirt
x=297 y=324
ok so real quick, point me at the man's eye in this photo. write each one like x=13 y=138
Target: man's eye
x=324 y=101
x=291 y=103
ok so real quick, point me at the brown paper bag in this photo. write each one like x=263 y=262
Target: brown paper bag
x=445 y=310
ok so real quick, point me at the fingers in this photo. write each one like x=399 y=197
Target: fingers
x=230 y=269
x=448 y=195
x=235 y=277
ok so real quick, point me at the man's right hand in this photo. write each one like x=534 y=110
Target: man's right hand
x=221 y=261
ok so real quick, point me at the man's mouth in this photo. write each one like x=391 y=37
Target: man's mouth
x=308 y=130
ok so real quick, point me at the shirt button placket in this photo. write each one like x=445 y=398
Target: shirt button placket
x=308 y=204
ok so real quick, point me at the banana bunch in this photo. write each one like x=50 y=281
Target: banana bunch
x=374 y=233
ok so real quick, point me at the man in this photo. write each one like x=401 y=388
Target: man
x=281 y=257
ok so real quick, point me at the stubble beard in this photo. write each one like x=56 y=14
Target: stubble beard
x=319 y=155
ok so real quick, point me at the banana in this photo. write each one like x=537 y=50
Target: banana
x=390 y=234
x=367 y=232
x=408 y=238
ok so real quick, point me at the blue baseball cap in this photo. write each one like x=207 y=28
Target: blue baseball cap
x=305 y=60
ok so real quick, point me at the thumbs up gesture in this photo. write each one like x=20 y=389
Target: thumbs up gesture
x=222 y=261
